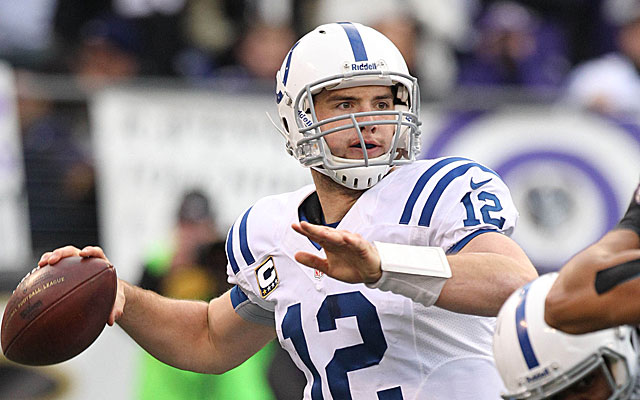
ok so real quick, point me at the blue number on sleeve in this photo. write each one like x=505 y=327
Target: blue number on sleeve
x=487 y=208
x=486 y=197
x=471 y=219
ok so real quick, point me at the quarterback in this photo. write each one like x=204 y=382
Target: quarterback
x=382 y=278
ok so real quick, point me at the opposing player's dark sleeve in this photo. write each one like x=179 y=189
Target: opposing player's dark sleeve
x=631 y=219
x=611 y=277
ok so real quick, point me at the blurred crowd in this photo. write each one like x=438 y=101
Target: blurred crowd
x=585 y=53
x=447 y=44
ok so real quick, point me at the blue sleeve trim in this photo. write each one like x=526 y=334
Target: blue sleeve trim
x=250 y=311
x=244 y=245
x=434 y=197
x=458 y=246
x=422 y=182
x=230 y=256
x=237 y=296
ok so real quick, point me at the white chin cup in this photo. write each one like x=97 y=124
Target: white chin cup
x=357 y=178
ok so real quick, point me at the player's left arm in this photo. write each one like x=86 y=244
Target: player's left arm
x=484 y=265
x=483 y=274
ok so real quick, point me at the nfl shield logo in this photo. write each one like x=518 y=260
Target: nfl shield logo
x=317 y=274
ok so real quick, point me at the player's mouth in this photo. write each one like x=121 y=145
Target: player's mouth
x=372 y=149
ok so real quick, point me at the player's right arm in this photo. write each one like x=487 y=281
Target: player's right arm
x=598 y=288
x=573 y=304
x=192 y=335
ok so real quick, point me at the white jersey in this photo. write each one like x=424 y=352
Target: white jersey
x=353 y=342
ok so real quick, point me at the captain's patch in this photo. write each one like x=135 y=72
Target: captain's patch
x=267 y=277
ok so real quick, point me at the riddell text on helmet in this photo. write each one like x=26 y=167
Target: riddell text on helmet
x=364 y=66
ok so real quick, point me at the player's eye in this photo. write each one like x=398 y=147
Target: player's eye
x=585 y=383
x=345 y=105
x=383 y=105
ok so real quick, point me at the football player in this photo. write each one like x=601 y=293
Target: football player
x=591 y=299
x=594 y=290
x=382 y=277
x=539 y=362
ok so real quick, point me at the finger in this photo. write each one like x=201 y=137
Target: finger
x=322 y=234
x=114 y=316
x=307 y=229
x=44 y=259
x=93 y=251
x=311 y=261
x=358 y=243
x=63 y=252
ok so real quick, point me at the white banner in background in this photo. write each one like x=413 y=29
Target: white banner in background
x=15 y=240
x=150 y=147
x=571 y=174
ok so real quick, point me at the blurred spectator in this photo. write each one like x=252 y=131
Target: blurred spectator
x=107 y=53
x=244 y=48
x=611 y=83
x=189 y=249
x=26 y=32
x=205 y=42
x=580 y=22
x=192 y=265
x=154 y=25
x=257 y=55
x=513 y=46
x=427 y=32
x=59 y=173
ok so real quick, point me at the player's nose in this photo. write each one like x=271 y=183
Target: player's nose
x=366 y=124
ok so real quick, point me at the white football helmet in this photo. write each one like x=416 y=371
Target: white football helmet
x=537 y=361
x=343 y=55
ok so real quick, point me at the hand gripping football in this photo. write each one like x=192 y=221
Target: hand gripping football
x=57 y=311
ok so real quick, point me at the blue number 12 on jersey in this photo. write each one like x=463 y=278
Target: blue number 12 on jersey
x=352 y=358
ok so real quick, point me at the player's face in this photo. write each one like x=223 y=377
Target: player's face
x=346 y=143
x=594 y=386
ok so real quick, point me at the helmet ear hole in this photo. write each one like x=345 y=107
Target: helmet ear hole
x=285 y=125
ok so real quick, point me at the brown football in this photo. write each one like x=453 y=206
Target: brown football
x=57 y=311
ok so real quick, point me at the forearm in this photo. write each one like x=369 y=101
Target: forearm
x=476 y=281
x=174 y=331
x=574 y=306
x=481 y=282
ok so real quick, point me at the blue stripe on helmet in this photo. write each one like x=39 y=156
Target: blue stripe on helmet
x=521 y=329
x=279 y=95
x=244 y=245
x=357 y=46
x=286 y=68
